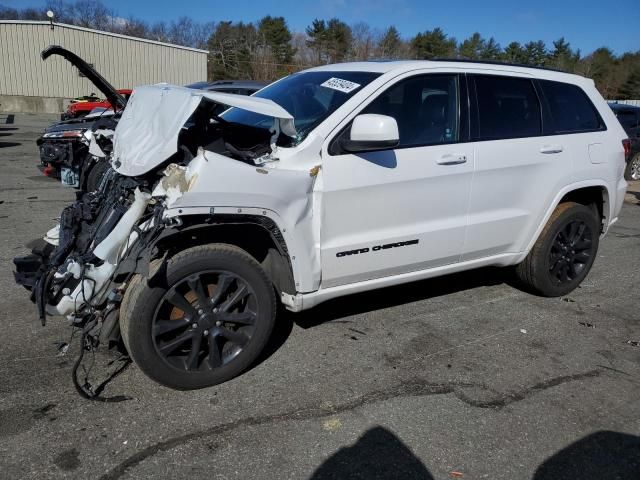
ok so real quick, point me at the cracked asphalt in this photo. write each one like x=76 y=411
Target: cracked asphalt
x=463 y=376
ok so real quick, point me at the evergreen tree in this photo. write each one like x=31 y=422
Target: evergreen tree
x=433 y=44
x=535 y=53
x=390 y=45
x=472 y=47
x=630 y=90
x=339 y=40
x=231 y=49
x=491 y=50
x=514 y=53
x=275 y=34
x=562 y=56
x=317 y=33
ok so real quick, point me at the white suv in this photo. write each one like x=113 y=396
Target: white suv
x=334 y=180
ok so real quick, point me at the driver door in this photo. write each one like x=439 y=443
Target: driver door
x=403 y=209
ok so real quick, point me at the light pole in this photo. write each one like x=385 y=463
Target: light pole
x=50 y=15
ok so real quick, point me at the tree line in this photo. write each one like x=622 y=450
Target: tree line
x=268 y=49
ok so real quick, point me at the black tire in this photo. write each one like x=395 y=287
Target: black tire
x=564 y=253
x=95 y=174
x=632 y=171
x=215 y=343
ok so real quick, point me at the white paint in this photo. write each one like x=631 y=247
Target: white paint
x=373 y=127
x=467 y=204
x=53 y=236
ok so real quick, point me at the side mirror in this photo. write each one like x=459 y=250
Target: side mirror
x=370 y=132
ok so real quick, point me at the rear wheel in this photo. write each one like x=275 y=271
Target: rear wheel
x=208 y=324
x=632 y=172
x=564 y=253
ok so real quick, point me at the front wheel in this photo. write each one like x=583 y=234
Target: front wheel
x=564 y=253
x=632 y=172
x=206 y=325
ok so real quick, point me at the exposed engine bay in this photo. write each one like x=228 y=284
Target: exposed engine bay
x=81 y=268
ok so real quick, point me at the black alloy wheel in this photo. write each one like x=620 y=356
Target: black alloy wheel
x=563 y=252
x=570 y=252
x=204 y=321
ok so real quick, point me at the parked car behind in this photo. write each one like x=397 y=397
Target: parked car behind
x=629 y=117
x=80 y=109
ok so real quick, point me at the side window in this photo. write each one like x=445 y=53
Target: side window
x=571 y=109
x=425 y=107
x=508 y=107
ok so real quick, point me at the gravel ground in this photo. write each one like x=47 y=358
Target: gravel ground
x=463 y=376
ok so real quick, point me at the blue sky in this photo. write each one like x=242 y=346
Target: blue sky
x=587 y=24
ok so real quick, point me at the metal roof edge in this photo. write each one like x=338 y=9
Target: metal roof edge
x=102 y=32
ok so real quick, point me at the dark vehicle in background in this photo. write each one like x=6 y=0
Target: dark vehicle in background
x=629 y=118
x=64 y=150
x=239 y=87
x=64 y=146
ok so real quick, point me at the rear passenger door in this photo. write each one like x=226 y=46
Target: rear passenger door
x=518 y=168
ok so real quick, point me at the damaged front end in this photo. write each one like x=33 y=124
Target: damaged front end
x=72 y=271
x=80 y=270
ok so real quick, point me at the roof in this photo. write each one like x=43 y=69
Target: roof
x=101 y=32
x=400 y=66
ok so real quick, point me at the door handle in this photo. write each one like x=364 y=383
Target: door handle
x=549 y=149
x=451 y=159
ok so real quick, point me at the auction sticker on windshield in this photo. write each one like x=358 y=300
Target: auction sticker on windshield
x=341 y=85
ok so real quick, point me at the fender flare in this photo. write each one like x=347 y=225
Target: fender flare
x=556 y=201
x=277 y=262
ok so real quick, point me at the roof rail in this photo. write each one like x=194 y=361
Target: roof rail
x=496 y=62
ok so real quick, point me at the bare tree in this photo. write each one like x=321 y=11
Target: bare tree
x=364 y=40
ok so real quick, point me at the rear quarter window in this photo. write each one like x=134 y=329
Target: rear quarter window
x=570 y=108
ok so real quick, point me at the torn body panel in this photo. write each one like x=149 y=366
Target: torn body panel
x=215 y=183
x=147 y=134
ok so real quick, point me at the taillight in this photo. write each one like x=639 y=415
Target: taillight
x=626 y=143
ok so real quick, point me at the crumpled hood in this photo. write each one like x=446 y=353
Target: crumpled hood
x=147 y=133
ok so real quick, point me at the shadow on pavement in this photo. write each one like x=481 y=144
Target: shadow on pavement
x=602 y=455
x=9 y=144
x=401 y=294
x=377 y=454
x=8 y=119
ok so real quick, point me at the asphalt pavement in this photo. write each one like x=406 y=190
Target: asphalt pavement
x=463 y=376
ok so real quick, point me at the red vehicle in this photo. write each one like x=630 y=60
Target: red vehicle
x=80 y=109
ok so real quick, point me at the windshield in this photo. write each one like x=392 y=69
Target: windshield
x=309 y=96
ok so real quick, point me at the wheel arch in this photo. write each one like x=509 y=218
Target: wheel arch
x=594 y=194
x=257 y=235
